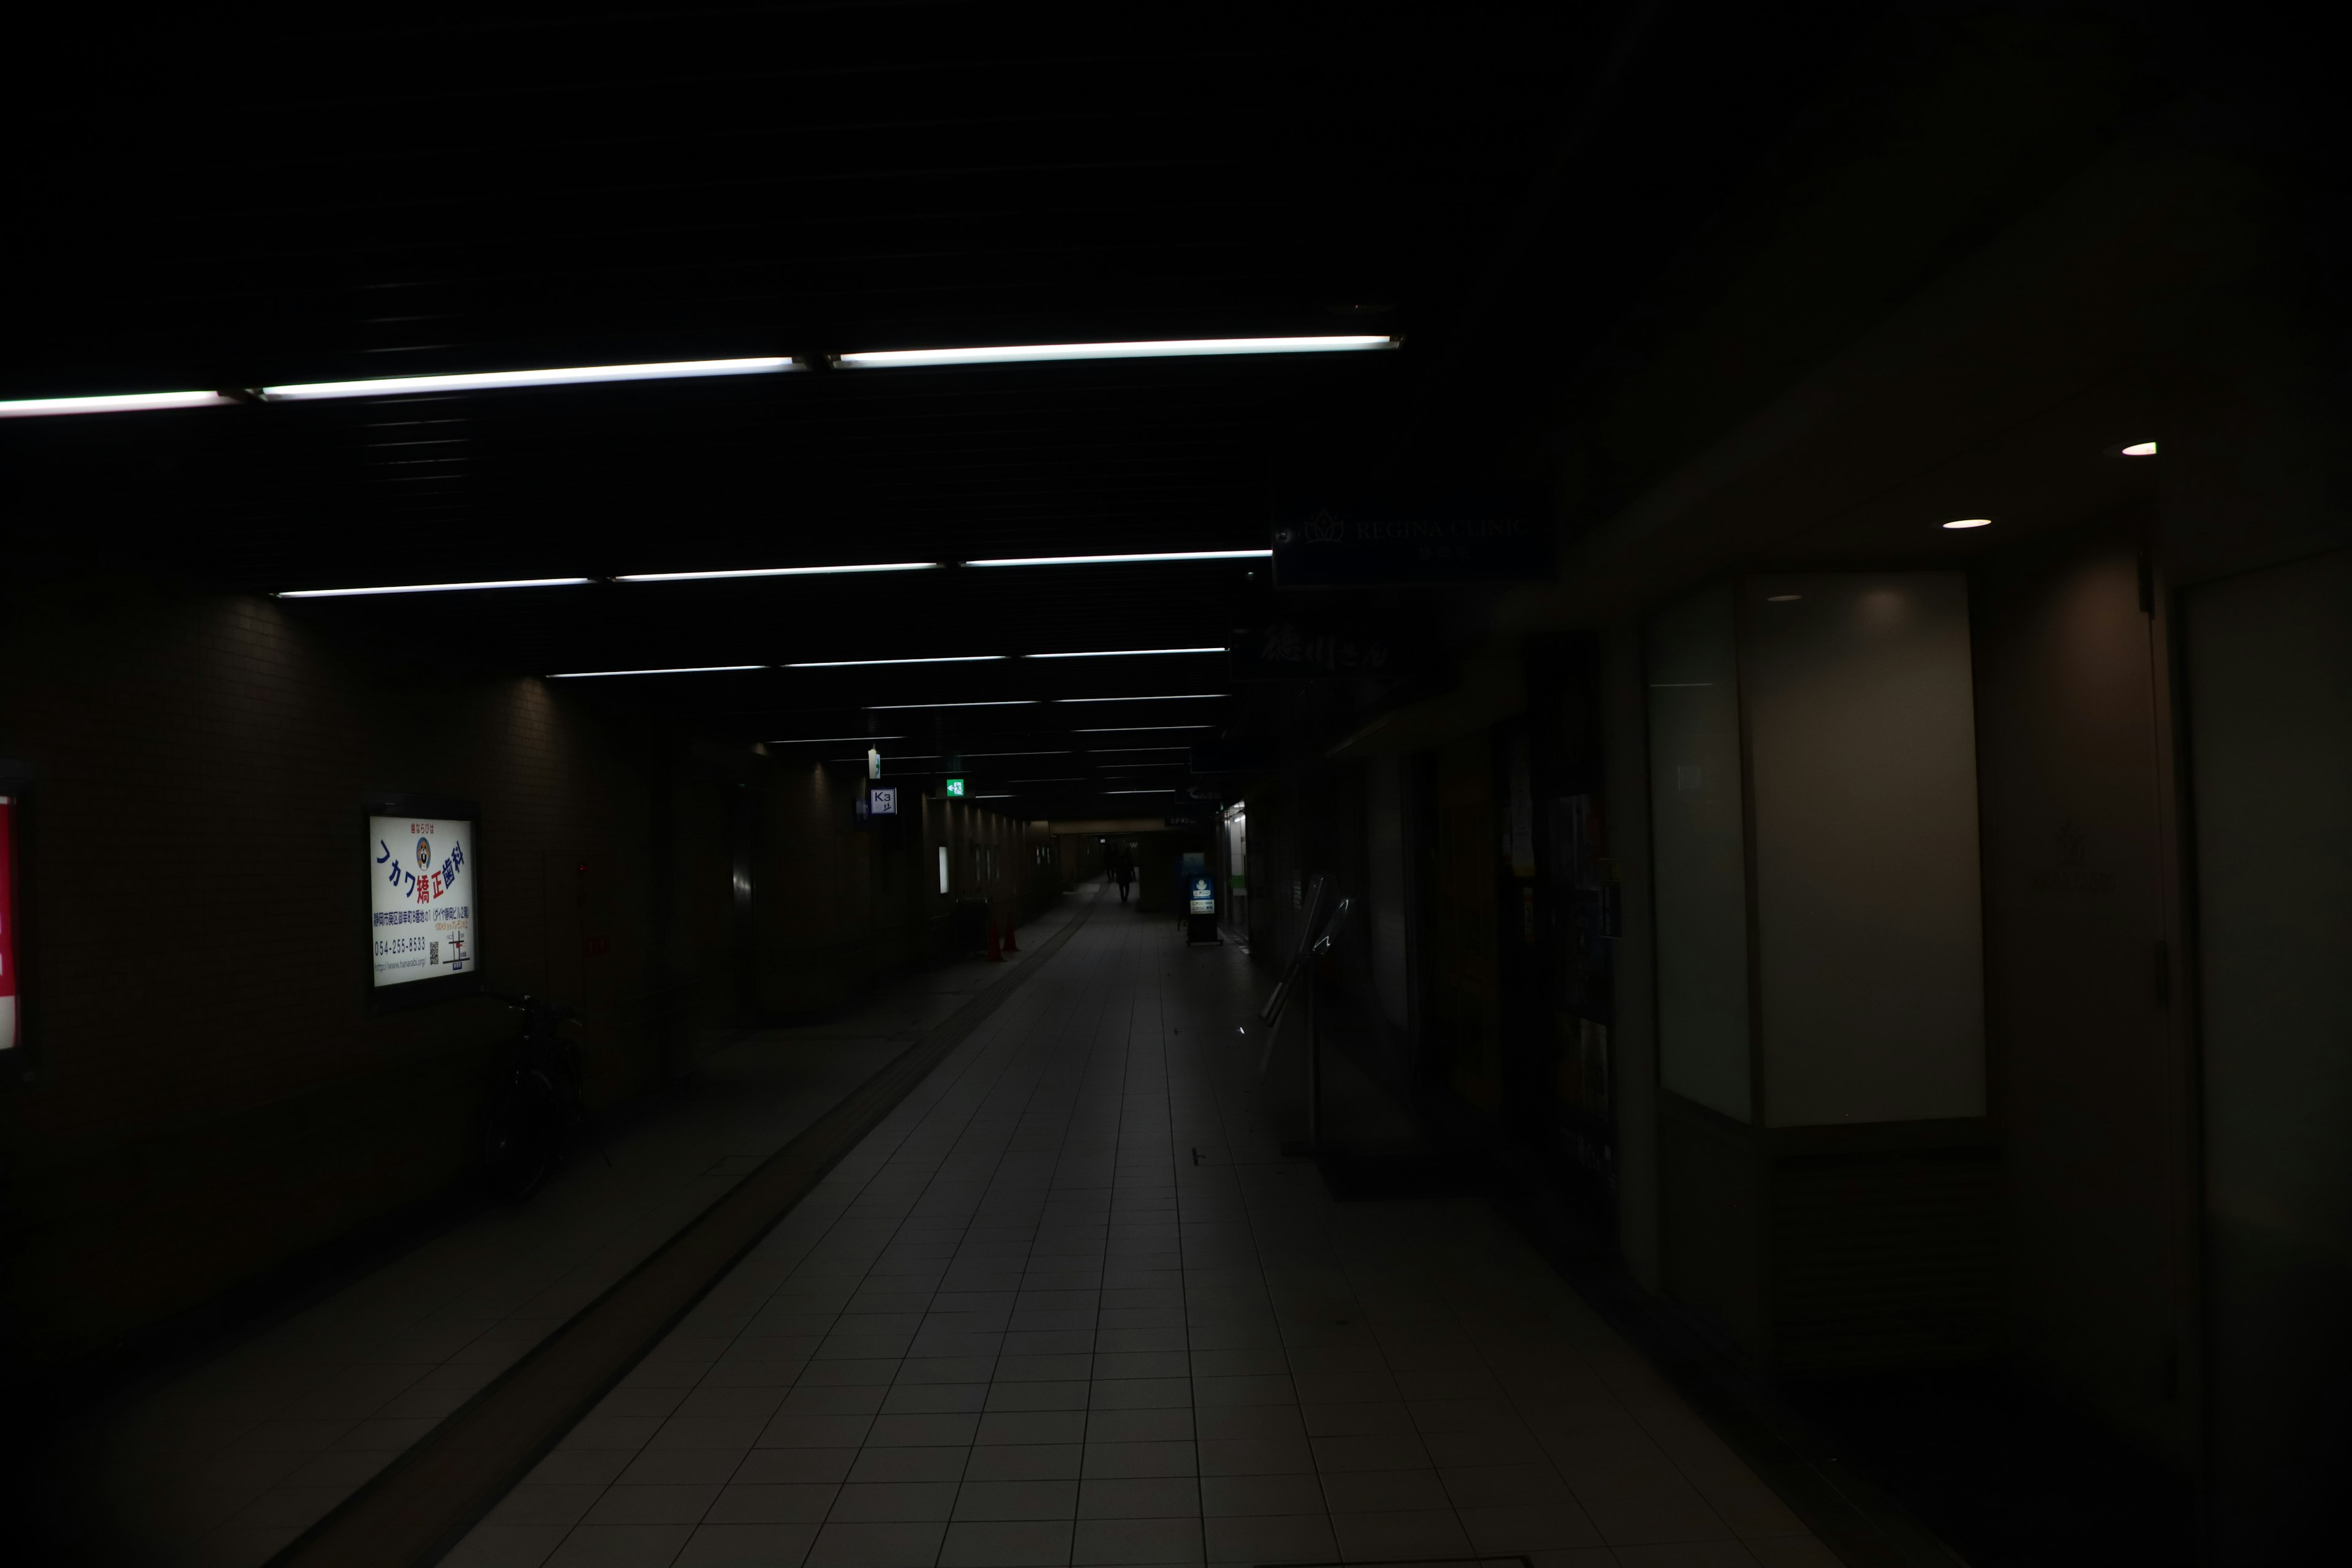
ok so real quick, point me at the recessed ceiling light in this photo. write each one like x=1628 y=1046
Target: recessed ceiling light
x=1969 y=522
x=2140 y=449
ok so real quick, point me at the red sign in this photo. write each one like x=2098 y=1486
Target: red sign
x=8 y=923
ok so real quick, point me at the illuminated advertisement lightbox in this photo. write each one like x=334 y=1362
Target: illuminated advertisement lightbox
x=423 y=904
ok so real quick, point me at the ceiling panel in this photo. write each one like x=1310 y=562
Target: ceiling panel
x=214 y=207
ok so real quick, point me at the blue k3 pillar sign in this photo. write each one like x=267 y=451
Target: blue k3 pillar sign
x=422 y=871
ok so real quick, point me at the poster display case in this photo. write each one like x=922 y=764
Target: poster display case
x=423 y=898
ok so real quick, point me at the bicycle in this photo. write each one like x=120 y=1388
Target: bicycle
x=535 y=1115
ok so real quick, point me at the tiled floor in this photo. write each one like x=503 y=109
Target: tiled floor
x=1069 y=1305
x=222 y=1466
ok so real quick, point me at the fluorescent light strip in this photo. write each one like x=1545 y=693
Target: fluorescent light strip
x=434 y=587
x=1007 y=796
x=1118 y=751
x=1164 y=697
x=1118 y=559
x=778 y=572
x=677 y=370
x=491 y=380
x=111 y=403
x=1139 y=792
x=1001 y=702
x=1063 y=753
x=855 y=663
x=1172 y=348
x=1123 y=652
x=1139 y=728
x=681 y=669
x=833 y=739
x=894 y=757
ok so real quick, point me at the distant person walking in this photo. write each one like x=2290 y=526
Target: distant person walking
x=1122 y=869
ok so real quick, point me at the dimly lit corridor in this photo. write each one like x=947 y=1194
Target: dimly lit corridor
x=946 y=786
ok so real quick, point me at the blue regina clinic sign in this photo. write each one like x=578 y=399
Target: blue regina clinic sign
x=1202 y=894
x=422 y=907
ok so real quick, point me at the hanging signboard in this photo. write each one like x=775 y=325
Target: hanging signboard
x=1504 y=537
x=1289 y=647
x=423 y=905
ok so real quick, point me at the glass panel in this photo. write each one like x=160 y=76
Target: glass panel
x=1691 y=661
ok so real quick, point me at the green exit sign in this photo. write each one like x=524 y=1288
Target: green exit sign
x=955 y=789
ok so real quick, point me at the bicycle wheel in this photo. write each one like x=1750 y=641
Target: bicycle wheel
x=519 y=1141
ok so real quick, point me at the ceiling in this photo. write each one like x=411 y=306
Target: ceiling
x=208 y=210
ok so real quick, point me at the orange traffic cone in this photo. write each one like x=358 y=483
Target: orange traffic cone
x=995 y=954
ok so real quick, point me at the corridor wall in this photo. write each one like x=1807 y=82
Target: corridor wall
x=213 y=1095
x=2270 y=704
x=1856 y=693
x=841 y=907
x=2089 y=1094
x=838 y=907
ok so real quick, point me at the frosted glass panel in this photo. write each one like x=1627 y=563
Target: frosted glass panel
x=1862 y=756
x=1696 y=841
x=1384 y=849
